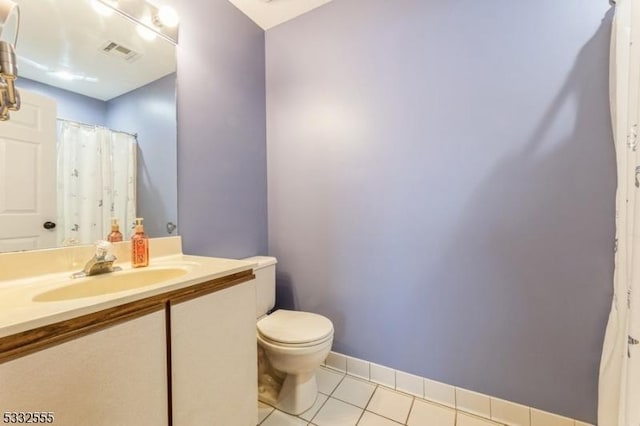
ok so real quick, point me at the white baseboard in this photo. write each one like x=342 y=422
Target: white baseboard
x=481 y=405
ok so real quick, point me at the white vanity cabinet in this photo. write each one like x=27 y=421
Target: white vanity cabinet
x=113 y=376
x=213 y=358
x=184 y=357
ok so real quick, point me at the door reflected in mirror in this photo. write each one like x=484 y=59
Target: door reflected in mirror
x=108 y=148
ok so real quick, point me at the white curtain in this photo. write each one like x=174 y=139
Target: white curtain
x=96 y=181
x=619 y=387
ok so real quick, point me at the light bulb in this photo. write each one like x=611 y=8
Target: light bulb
x=168 y=16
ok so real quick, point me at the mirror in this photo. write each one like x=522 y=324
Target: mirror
x=105 y=72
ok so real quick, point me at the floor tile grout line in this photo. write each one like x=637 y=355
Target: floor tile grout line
x=329 y=397
x=368 y=401
x=337 y=385
x=344 y=402
x=347 y=402
x=361 y=415
x=413 y=402
x=382 y=415
x=385 y=417
x=351 y=403
x=375 y=389
x=268 y=415
x=319 y=409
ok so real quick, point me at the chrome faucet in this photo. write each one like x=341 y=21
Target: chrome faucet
x=100 y=263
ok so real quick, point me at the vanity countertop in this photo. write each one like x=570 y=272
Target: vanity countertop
x=20 y=310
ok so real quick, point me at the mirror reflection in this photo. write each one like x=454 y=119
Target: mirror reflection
x=95 y=138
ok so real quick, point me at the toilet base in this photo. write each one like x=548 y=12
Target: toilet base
x=298 y=393
x=291 y=393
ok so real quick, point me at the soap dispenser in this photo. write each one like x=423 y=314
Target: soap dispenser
x=115 y=236
x=139 y=246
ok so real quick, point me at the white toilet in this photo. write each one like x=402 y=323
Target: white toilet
x=291 y=346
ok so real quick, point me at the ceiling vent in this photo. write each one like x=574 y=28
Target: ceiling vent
x=116 y=50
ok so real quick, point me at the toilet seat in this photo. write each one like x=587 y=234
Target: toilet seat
x=265 y=339
x=295 y=328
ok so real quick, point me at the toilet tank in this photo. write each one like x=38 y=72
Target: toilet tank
x=265 y=273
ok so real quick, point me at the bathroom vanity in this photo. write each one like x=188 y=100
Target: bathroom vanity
x=175 y=348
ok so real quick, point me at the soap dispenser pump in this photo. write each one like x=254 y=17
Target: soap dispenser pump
x=115 y=236
x=139 y=246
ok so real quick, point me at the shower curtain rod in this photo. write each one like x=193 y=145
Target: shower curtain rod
x=135 y=135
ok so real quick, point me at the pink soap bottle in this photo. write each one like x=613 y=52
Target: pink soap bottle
x=139 y=246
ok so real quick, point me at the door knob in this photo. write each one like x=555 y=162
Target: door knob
x=49 y=225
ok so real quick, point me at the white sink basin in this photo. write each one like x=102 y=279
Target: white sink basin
x=113 y=282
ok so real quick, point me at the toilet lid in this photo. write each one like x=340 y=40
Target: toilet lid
x=294 y=327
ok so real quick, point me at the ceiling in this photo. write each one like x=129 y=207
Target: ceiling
x=53 y=43
x=269 y=13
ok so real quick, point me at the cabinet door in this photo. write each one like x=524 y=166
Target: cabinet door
x=213 y=359
x=115 y=376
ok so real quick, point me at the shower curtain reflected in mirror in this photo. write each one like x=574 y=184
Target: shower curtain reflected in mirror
x=96 y=182
x=619 y=387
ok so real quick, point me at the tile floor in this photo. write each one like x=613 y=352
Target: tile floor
x=348 y=401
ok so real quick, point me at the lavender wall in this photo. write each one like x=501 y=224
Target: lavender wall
x=71 y=106
x=441 y=185
x=222 y=188
x=150 y=111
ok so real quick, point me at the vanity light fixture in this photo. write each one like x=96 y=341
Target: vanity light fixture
x=152 y=21
x=9 y=24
